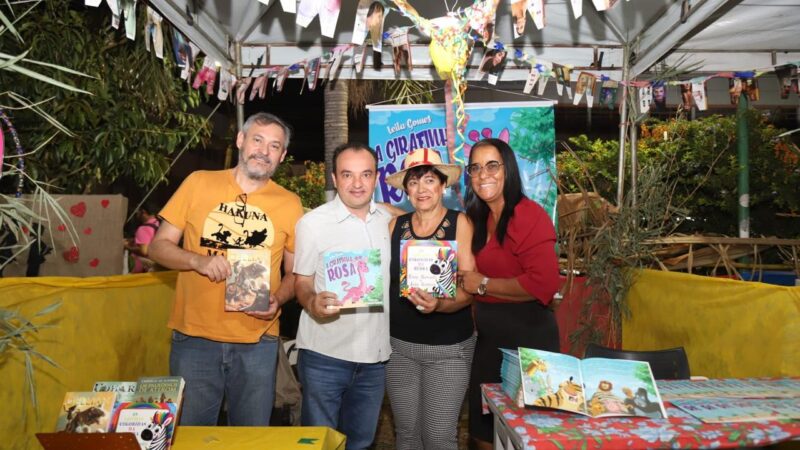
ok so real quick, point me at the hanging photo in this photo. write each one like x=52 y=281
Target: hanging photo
x=375 y=16
x=686 y=96
x=585 y=85
x=401 y=51
x=493 y=62
x=735 y=89
x=699 y=96
x=659 y=96
x=750 y=88
x=518 y=16
x=608 y=93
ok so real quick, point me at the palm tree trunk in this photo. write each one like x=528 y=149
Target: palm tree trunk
x=336 y=130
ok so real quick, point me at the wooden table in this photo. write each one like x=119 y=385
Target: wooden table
x=528 y=428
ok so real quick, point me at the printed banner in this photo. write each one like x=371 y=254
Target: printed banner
x=528 y=127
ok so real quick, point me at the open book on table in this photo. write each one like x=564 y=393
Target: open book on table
x=596 y=387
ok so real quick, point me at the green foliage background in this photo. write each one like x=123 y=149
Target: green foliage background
x=134 y=122
x=310 y=186
x=701 y=157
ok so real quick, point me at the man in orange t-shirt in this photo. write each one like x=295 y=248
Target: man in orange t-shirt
x=229 y=355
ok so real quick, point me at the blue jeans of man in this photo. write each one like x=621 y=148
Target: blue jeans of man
x=243 y=374
x=341 y=394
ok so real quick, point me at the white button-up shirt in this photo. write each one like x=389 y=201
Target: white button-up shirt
x=356 y=335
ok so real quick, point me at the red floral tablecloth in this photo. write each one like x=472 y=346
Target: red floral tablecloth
x=549 y=429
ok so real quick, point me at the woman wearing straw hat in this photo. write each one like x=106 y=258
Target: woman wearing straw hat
x=432 y=338
x=517 y=271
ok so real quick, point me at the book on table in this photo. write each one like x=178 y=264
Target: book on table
x=728 y=409
x=153 y=423
x=355 y=277
x=596 y=387
x=248 y=287
x=730 y=387
x=86 y=412
x=159 y=390
x=125 y=389
x=429 y=265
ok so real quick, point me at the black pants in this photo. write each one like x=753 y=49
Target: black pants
x=504 y=325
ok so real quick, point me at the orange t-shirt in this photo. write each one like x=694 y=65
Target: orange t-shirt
x=215 y=215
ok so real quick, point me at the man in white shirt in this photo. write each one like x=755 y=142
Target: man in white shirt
x=343 y=353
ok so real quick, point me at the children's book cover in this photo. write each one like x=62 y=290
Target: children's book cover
x=159 y=389
x=597 y=387
x=153 y=424
x=428 y=265
x=355 y=277
x=125 y=389
x=86 y=412
x=720 y=410
x=247 y=288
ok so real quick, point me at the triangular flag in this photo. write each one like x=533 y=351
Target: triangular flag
x=536 y=10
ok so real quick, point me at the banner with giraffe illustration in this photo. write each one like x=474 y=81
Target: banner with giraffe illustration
x=528 y=127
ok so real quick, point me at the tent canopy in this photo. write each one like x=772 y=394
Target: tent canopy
x=719 y=35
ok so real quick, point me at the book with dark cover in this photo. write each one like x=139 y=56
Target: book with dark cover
x=247 y=288
x=86 y=412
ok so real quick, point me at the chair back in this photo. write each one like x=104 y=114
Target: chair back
x=668 y=364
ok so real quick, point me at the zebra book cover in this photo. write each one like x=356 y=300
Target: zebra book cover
x=596 y=387
x=355 y=277
x=247 y=289
x=428 y=265
x=153 y=424
x=86 y=412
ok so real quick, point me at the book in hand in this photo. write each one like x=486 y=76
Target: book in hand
x=355 y=277
x=721 y=410
x=596 y=387
x=153 y=423
x=159 y=390
x=430 y=266
x=247 y=288
x=125 y=389
x=86 y=412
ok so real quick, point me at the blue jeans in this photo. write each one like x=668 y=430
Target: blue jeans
x=341 y=394
x=244 y=374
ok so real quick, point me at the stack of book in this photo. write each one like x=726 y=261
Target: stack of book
x=510 y=374
x=148 y=408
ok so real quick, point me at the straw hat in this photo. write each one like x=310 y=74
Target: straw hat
x=425 y=157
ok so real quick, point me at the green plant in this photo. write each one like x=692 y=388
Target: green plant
x=135 y=120
x=310 y=186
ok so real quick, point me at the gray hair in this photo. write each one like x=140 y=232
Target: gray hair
x=264 y=119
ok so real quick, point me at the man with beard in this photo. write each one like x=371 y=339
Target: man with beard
x=229 y=355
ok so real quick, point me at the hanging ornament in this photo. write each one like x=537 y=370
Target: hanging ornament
x=449 y=49
x=585 y=85
x=563 y=79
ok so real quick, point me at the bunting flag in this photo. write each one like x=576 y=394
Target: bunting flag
x=699 y=96
x=113 y=5
x=533 y=77
x=577 y=8
x=327 y=10
x=518 y=16
x=536 y=10
x=312 y=73
x=129 y=11
x=602 y=5
x=608 y=93
x=563 y=74
x=152 y=33
x=94 y=3
x=645 y=99
x=586 y=82
x=289 y=6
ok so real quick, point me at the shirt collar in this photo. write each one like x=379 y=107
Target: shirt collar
x=343 y=213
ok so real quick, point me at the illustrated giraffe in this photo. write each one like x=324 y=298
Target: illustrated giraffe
x=356 y=293
x=537 y=365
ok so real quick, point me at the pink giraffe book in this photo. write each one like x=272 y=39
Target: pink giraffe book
x=355 y=277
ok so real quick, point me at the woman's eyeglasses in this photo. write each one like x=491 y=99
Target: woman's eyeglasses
x=492 y=167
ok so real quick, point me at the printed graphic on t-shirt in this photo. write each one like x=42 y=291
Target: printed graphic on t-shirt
x=237 y=225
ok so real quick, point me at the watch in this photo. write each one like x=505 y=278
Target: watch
x=482 y=286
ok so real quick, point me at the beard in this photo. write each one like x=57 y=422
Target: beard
x=254 y=174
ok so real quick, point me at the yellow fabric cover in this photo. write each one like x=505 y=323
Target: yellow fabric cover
x=284 y=438
x=729 y=328
x=214 y=214
x=107 y=328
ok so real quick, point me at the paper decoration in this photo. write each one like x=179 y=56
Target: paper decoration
x=608 y=93
x=312 y=73
x=577 y=8
x=659 y=96
x=152 y=33
x=401 y=51
x=645 y=99
x=94 y=3
x=283 y=74
x=699 y=96
x=563 y=75
x=328 y=11
x=787 y=80
x=750 y=88
x=360 y=26
x=536 y=10
x=518 y=16
x=359 y=57
x=115 y=15
x=686 y=95
x=735 y=89
x=129 y=10
x=207 y=75
x=449 y=49
x=260 y=86
x=289 y=6
x=375 y=18
x=226 y=81
x=585 y=85
x=533 y=77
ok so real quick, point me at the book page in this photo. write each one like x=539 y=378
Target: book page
x=355 y=277
x=551 y=380
x=619 y=387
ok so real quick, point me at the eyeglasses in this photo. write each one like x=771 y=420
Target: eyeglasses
x=492 y=167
